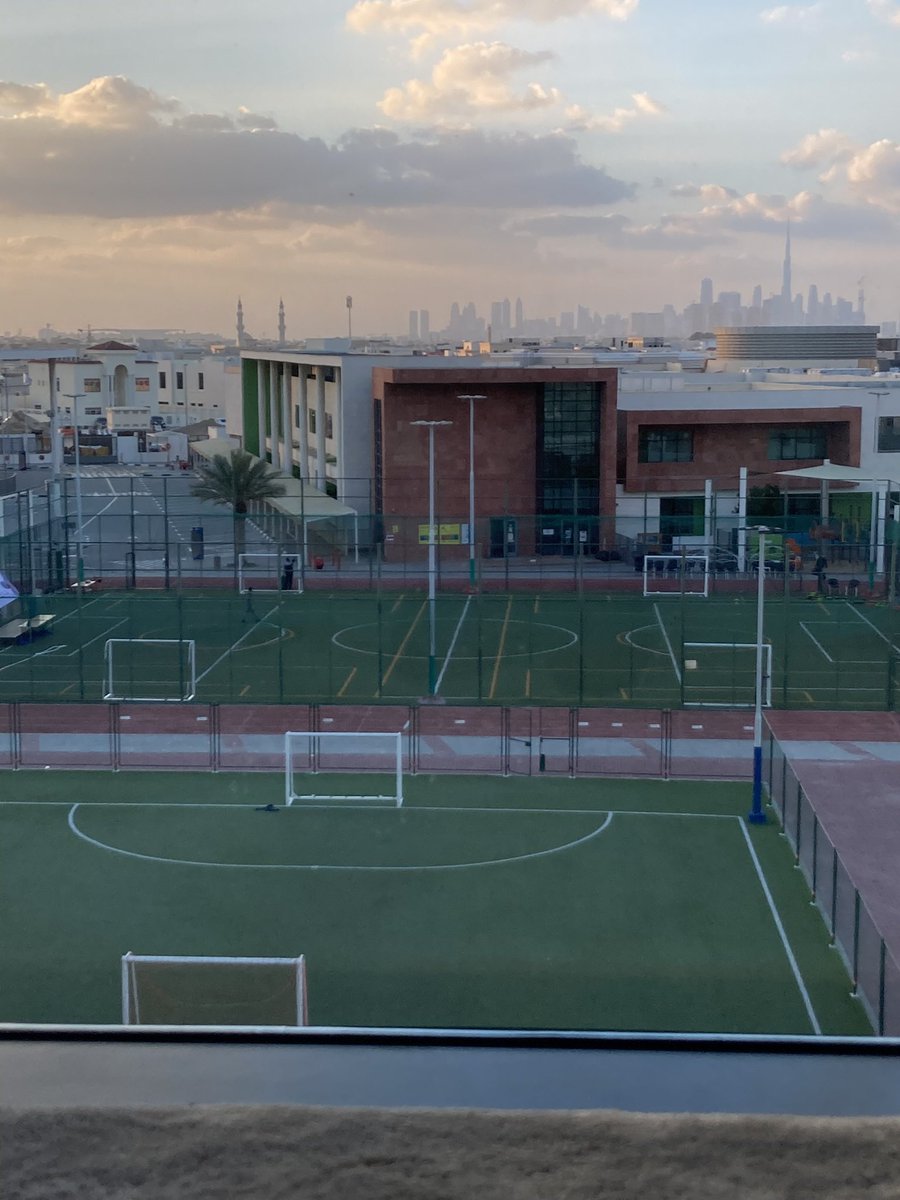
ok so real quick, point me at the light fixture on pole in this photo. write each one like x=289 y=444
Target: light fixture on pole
x=79 y=516
x=756 y=816
x=432 y=540
x=471 y=400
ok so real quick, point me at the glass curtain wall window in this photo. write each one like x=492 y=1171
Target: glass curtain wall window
x=568 y=450
x=665 y=445
x=803 y=441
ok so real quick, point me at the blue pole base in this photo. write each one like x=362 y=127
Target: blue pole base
x=756 y=818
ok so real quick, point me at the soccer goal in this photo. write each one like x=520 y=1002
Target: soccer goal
x=355 y=766
x=140 y=669
x=676 y=575
x=269 y=573
x=723 y=674
x=170 y=989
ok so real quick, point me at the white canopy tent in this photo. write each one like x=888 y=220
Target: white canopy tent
x=829 y=472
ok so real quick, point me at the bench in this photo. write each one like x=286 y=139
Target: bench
x=25 y=629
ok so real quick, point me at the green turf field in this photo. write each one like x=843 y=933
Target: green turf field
x=553 y=648
x=483 y=902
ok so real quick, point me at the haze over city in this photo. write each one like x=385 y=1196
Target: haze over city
x=607 y=153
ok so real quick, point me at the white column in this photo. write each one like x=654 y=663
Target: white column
x=261 y=405
x=273 y=414
x=742 y=521
x=337 y=429
x=881 y=526
x=287 y=453
x=708 y=513
x=320 y=428
x=303 y=423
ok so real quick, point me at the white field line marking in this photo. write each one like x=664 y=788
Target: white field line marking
x=807 y=1002
x=883 y=637
x=815 y=641
x=675 y=666
x=231 y=649
x=629 y=636
x=58 y=651
x=494 y=862
x=453 y=641
x=99 y=513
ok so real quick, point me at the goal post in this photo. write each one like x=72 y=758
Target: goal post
x=269 y=572
x=201 y=990
x=723 y=674
x=676 y=575
x=150 y=669
x=373 y=759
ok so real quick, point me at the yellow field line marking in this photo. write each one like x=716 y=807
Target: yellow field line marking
x=416 y=619
x=398 y=602
x=245 y=689
x=67 y=689
x=503 y=633
x=528 y=684
x=537 y=605
x=624 y=694
x=347 y=682
x=809 y=697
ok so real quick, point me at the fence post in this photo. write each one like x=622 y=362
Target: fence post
x=115 y=735
x=213 y=737
x=882 y=957
x=573 y=742
x=815 y=856
x=799 y=818
x=15 y=734
x=855 y=941
x=834 y=878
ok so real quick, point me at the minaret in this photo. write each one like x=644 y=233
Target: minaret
x=240 y=324
x=281 y=336
x=787 y=295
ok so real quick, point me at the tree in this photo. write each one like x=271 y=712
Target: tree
x=235 y=481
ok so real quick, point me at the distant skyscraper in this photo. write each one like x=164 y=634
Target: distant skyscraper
x=812 y=305
x=787 y=295
x=706 y=291
x=757 y=296
x=520 y=314
x=424 y=324
x=413 y=325
x=281 y=325
x=240 y=324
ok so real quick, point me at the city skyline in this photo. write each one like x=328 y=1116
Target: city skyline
x=409 y=152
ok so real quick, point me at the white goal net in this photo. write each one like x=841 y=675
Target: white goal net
x=269 y=573
x=343 y=766
x=164 y=989
x=676 y=575
x=723 y=674
x=150 y=669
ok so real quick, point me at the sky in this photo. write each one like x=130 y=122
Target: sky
x=158 y=160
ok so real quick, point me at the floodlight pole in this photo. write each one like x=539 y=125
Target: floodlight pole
x=471 y=400
x=756 y=816
x=432 y=615
x=75 y=397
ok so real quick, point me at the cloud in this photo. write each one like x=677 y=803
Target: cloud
x=453 y=18
x=705 y=191
x=468 y=80
x=886 y=10
x=790 y=14
x=825 y=147
x=147 y=157
x=582 y=121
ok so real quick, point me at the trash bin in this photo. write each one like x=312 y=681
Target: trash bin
x=197 y=542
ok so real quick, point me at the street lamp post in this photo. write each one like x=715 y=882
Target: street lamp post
x=79 y=516
x=471 y=400
x=756 y=816
x=432 y=639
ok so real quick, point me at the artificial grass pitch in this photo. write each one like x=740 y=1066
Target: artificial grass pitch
x=482 y=903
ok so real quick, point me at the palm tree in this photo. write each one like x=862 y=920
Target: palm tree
x=235 y=481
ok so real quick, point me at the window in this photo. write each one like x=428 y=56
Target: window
x=312 y=421
x=93 y=412
x=162 y=380
x=799 y=441
x=329 y=426
x=179 y=381
x=142 y=384
x=200 y=381
x=92 y=385
x=889 y=435
x=568 y=458
x=665 y=445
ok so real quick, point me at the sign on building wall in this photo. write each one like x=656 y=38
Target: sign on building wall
x=448 y=535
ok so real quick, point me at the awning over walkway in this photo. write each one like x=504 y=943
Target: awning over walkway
x=835 y=473
x=302 y=501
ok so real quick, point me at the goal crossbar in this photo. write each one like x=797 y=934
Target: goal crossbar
x=685 y=569
x=294 y=969
x=731 y=646
x=186 y=683
x=312 y=745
